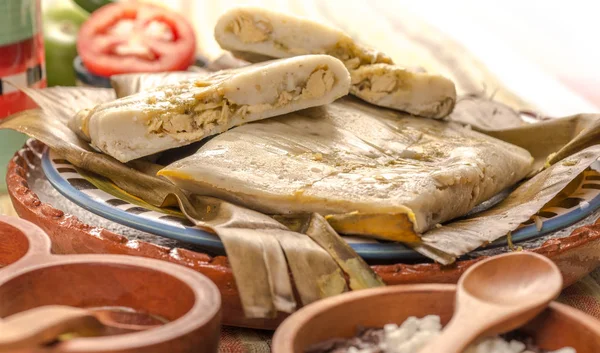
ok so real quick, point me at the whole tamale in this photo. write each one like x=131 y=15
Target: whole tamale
x=370 y=171
x=176 y=115
x=258 y=34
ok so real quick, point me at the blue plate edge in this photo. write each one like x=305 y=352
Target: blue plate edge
x=205 y=240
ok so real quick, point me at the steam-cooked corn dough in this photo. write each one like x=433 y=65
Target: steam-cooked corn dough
x=408 y=90
x=176 y=115
x=257 y=34
x=350 y=157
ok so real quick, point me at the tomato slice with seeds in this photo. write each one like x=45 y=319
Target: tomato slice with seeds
x=133 y=37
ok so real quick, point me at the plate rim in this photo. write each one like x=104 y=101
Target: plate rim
x=198 y=237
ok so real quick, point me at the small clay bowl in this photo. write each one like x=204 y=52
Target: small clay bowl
x=339 y=317
x=187 y=303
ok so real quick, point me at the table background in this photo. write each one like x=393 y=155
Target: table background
x=544 y=51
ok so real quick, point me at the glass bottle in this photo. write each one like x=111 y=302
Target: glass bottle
x=22 y=63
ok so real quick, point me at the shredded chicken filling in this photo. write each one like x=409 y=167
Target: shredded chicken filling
x=380 y=82
x=249 y=30
x=216 y=111
x=353 y=56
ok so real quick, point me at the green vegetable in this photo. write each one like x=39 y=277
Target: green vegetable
x=61 y=24
x=92 y=5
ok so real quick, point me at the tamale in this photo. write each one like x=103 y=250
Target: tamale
x=176 y=115
x=457 y=238
x=257 y=34
x=350 y=161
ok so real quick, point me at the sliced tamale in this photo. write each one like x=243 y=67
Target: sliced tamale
x=409 y=90
x=257 y=34
x=355 y=160
x=272 y=34
x=176 y=115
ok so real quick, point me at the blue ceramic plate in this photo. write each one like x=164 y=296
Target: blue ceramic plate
x=81 y=190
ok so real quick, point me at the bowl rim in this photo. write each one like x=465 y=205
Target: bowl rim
x=285 y=336
x=203 y=313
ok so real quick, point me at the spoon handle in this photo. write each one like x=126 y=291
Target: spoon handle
x=40 y=325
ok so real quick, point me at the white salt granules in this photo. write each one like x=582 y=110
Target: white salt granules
x=414 y=333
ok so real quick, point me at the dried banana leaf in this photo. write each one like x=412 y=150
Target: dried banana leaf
x=257 y=34
x=555 y=138
x=485 y=115
x=316 y=227
x=457 y=238
x=254 y=242
x=315 y=273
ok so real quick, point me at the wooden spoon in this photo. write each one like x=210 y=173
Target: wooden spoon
x=45 y=324
x=498 y=295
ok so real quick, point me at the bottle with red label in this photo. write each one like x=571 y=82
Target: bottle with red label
x=21 y=64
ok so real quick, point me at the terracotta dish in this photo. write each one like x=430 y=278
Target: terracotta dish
x=187 y=302
x=576 y=255
x=338 y=317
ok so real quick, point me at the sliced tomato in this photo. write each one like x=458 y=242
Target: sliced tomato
x=133 y=37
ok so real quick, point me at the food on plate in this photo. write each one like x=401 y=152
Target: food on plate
x=371 y=171
x=273 y=34
x=257 y=34
x=414 y=333
x=61 y=24
x=176 y=115
x=134 y=37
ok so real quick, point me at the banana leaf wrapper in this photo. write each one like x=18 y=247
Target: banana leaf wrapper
x=259 y=247
x=497 y=120
x=548 y=141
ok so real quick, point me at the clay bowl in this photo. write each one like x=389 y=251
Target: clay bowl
x=559 y=326
x=187 y=303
